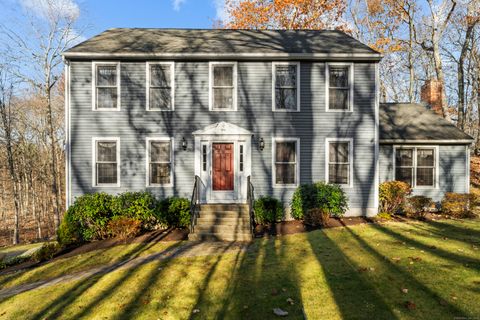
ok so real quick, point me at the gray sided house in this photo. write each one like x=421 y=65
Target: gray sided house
x=150 y=109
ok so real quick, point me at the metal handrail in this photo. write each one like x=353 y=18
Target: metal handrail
x=250 y=201
x=194 y=202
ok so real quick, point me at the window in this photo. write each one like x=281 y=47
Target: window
x=223 y=83
x=159 y=158
x=416 y=166
x=106 y=86
x=339 y=163
x=285 y=156
x=106 y=159
x=204 y=157
x=241 y=158
x=339 y=87
x=160 y=86
x=286 y=83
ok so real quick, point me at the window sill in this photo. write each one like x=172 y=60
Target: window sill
x=339 y=111
x=285 y=186
x=107 y=109
x=285 y=110
x=170 y=185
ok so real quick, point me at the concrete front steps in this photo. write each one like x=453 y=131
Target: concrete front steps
x=222 y=222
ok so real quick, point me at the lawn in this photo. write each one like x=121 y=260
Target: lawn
x=423 y=270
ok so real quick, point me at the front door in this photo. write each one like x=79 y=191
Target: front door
x=223 y=167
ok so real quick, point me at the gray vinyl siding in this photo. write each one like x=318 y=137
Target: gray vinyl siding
x=312 y=125
x=452 y=175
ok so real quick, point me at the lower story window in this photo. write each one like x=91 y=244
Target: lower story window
x=415 y=166
x=106 y=161
x=159 y=161
x=286 y=161
x=339 y=162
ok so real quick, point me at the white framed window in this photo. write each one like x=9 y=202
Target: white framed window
x=286 y=86
x=106 y=85
x=160 y=95
x=339 y=87
x=223 y=86
x=416 y=165
x=160 y=161
x=286 y=162
x=339 y=161
x=106 y=161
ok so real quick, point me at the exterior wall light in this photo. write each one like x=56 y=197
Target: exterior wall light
x=184 y=144
x=261 y=144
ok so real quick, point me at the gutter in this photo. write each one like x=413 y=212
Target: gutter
x=426 y=141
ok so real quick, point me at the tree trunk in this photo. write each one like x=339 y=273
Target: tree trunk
x=461 y=77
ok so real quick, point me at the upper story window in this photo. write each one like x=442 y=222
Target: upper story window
x=106 y=159
x=286 y=86
x=286 y=164
x=339 y=87
x=416 y=166
x=160 y=161
x=223 y=86
x=160 y=86
x=339 y=161
x=106 y=86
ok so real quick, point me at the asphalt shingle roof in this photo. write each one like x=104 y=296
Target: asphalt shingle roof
x=416 y=122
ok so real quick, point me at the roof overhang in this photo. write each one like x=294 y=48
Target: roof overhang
x=406 y=141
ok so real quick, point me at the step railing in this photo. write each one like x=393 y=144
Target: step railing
x=194 y=203
x=250 y=202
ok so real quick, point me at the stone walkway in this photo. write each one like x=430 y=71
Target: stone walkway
x=189 y=249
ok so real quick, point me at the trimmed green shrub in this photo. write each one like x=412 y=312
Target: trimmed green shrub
x=46 y=252
x=459 y=205
x=417 y=206
x=136 y=205
x=174 y=212
x=69 y=233
x=267 y=210
x=328 y=197
x=392 y=196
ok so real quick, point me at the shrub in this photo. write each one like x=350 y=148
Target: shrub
x=174 y=212
x=68 y=232
x=416 y=206
x=267 y=210
x=327 y=197
x=384 y=215
x=392 y=196
x=458 y=205
x=46 y=252
x=136 y=205
x=124 y=227
x=316 y=217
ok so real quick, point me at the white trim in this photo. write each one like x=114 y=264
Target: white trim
x=351 y=83
x=147 y=158
x=405 y=141
x=94 y=85
x=67 y=134
x=350 y=159
x=414 y=164
x=467 y=182
x=377 y=136
x=172 y=84
x=234 y=55
x=94 y=161
x=211 y=65
x=291 y=63
x=297 y=161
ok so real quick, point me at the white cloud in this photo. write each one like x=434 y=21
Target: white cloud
x=177 y=4
x=68 y=9
x=220 y=10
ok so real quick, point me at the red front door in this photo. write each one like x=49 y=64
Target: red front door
x=222 y=166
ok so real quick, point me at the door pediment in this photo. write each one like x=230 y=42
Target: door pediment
x=222 y=128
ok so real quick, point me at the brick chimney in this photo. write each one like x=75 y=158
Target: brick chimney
x=431 y=94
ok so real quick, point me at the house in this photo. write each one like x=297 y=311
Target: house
x=154 y=108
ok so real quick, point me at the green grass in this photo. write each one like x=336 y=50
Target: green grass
x=350 y=273
x=12 y=251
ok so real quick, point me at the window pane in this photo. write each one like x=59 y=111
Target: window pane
x=160 y=151
x=159 y=173
x=404 y=158
x=338 y=77
x=160 y=75
x=285 y=151
x=285 y=173
x=425 y=176
x=106 y=173
x=285 y=76
x=107 y=75
x=404 y=174
x=223 y=75
x=160 y=99
x=338 y=152
x=286 y=99
x=425 y=157
x=338 y=173
x=106 y=151
x=107 y=98
x=222 y=98
x=338 y=99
